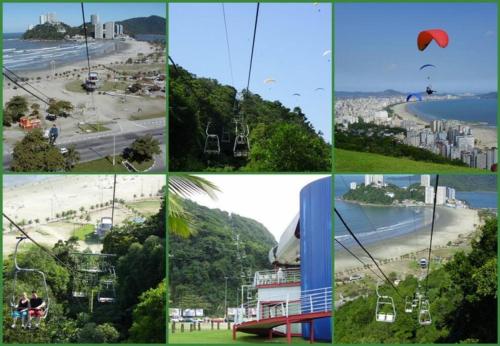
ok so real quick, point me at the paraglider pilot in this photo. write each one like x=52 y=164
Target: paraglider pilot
x=429 y=90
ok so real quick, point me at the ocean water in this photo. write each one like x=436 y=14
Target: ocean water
x=468 y=109
x=22 y=55
x=375 y=224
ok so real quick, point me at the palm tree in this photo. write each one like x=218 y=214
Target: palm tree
x=183 y=186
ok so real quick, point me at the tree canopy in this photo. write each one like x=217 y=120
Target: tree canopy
x=199 y=263
x=138 y=314
x=463 y=298
x=280 y=139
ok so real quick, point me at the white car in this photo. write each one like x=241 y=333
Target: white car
x=63 y=150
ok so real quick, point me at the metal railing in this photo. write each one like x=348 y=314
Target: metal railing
x=276 y=276
x=309 y=301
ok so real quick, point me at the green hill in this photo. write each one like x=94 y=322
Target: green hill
x=353 y=161
x=469 y=182
x=198 y=264
x=153 y=25
x=281 y=139
x=50 y=32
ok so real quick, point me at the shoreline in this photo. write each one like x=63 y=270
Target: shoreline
x=487 y=133
x=400 y=205
x=448 y=227
x=130 y=50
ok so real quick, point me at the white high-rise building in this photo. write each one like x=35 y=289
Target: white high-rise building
x=353 y=186
x=118 y=29
x=94 y=19
x=368 y=179
x=450 y=193
x=98 y=31
x=48 y=18
x=429 y=195
x=51 y=17
x=441 y=195
x=425 y=180
x=109 y=30
x=375 y=179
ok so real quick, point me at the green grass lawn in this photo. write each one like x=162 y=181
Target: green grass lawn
x=91 y=128
x=146 y=207
x=83 y=231
x=225 y=337
x=353 y=161
x=146 y=116
x=76 y=86
x=106 y=165
x=140 y=67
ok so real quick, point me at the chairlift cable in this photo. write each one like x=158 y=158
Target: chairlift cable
x=253 y=46
x=113 y=202
x=22 y=87
x=25 y=82
x=436 y=185
x=38 y=244
x=359 y=259
x=227 y=44
x=367 y=252
x=86 y=40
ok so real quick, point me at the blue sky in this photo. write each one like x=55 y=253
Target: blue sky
x=18 y=16
x=376 y=49
x=291 y=40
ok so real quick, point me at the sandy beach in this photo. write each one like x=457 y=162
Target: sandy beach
x=448 y=226
x=39 y=200
x=117 y=111
x=486 y=136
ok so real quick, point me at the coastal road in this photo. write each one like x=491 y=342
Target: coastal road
x=97 y=148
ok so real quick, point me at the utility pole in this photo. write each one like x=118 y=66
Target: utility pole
x=113 y=203
x=225 y=299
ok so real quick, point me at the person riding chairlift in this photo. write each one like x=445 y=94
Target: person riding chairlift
x=21 y=311
x=37 y=309
x=53 y=134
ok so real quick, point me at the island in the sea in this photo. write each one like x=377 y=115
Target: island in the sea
x=377 y=192
x=54 y=30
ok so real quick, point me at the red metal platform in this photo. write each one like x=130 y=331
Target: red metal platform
x=264 y=327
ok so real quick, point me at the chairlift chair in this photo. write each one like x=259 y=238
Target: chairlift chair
x=17 y=271
x=424 y=314
x=408 y=305
x=241 y=146
x=106 y=293
x=212 y=145
x=385 y=310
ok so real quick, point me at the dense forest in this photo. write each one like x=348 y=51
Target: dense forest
x=378 y=139
x=138 y=312
x=280 y=139
x=221 y=245
x=383 y=195
x=463 y=298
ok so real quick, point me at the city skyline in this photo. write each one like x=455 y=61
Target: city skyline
x=19 y=16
